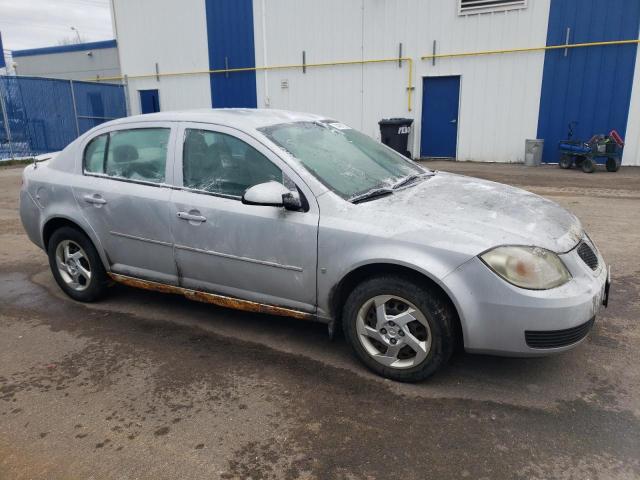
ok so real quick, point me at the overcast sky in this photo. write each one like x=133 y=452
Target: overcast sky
x=43 y=23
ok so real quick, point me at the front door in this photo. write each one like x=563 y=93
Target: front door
x=258 y=253
x=149 y=101
x=125 y=199
x=440 y=100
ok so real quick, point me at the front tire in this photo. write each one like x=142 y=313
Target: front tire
x=399 y=329
x=588 y=165
x=565 y=162
x=76 y=265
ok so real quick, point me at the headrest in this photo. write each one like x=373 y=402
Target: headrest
x=196 y=140
x=125 y=153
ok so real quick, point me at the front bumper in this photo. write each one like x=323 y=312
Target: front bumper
x=495 y=314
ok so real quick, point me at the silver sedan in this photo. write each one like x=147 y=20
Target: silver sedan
x=299 y=215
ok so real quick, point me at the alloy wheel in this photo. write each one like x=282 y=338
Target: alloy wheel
x=73 y=265
x=393 y=331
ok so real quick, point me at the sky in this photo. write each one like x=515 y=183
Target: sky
x=44 y=23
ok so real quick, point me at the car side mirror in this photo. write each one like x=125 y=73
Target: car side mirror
x=272 y=194
x=292 y=201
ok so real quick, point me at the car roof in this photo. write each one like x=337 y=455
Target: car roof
x=240 y=118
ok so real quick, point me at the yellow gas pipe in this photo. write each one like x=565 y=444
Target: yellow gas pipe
x=278 y=67
x=530 y=49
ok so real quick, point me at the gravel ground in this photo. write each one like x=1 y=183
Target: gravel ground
x=151 y=386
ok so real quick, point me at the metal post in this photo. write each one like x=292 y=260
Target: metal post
x=226 y=67
x=5 y=118
x=400 y=55
x=157 y=72
x=304 y=61
x=75 y=108
x=566 y=41
x=127 y=108
x=433 y=60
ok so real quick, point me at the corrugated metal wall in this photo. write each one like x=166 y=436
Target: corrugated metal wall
x=173 y=34
x=70 y=65
x=632 y=139
x=327 y=30
x=231 y=45
x=499 y=94
x=588 y=86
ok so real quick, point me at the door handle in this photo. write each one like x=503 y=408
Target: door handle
x=191 y=217
x=94 y=199
x=455 y=120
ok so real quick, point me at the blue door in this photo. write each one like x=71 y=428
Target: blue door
x=149 y=101
x=440 y=98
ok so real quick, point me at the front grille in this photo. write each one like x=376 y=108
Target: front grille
x=557 y=338
x=588 y=256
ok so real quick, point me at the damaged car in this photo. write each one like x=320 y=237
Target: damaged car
x=299 y=215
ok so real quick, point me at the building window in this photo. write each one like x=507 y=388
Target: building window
x=469 y=7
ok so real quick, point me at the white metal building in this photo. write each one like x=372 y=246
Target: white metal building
x=77 y=61
x=363 y=60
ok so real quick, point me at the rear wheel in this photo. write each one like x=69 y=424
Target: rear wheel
x=399 y=329
x=613 y=164
x=76 y=266
x=566 y=161
x=588 y=165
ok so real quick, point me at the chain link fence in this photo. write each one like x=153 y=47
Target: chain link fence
x=41 y=115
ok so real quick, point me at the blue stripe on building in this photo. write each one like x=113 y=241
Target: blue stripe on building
x=2 y=63
x=74 y=47
x=231 y=44
x=592 y=85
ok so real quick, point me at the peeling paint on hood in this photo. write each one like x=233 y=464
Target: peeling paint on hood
x=471 y=215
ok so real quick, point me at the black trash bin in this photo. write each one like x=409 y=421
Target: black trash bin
x=394 y=133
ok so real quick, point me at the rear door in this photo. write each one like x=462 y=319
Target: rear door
x=125 y=198
x=258 y=253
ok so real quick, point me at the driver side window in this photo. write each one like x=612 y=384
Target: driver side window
x=220 y=163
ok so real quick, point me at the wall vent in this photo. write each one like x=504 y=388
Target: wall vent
x=468 y=7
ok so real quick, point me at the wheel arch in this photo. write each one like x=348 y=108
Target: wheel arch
x=54 y=223
x=357 y=275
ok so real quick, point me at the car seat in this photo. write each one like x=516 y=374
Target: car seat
x=123 y=155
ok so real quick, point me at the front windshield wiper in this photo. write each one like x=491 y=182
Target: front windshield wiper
x=383 y=191
x=411 y=178
x=371 y=194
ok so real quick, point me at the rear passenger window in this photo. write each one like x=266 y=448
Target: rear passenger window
x=94 y=155
x=219 y=163
x=137 y=154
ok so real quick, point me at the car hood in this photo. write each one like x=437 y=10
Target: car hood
x=471 y=215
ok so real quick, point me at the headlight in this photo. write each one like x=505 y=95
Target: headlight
x=527 y=267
